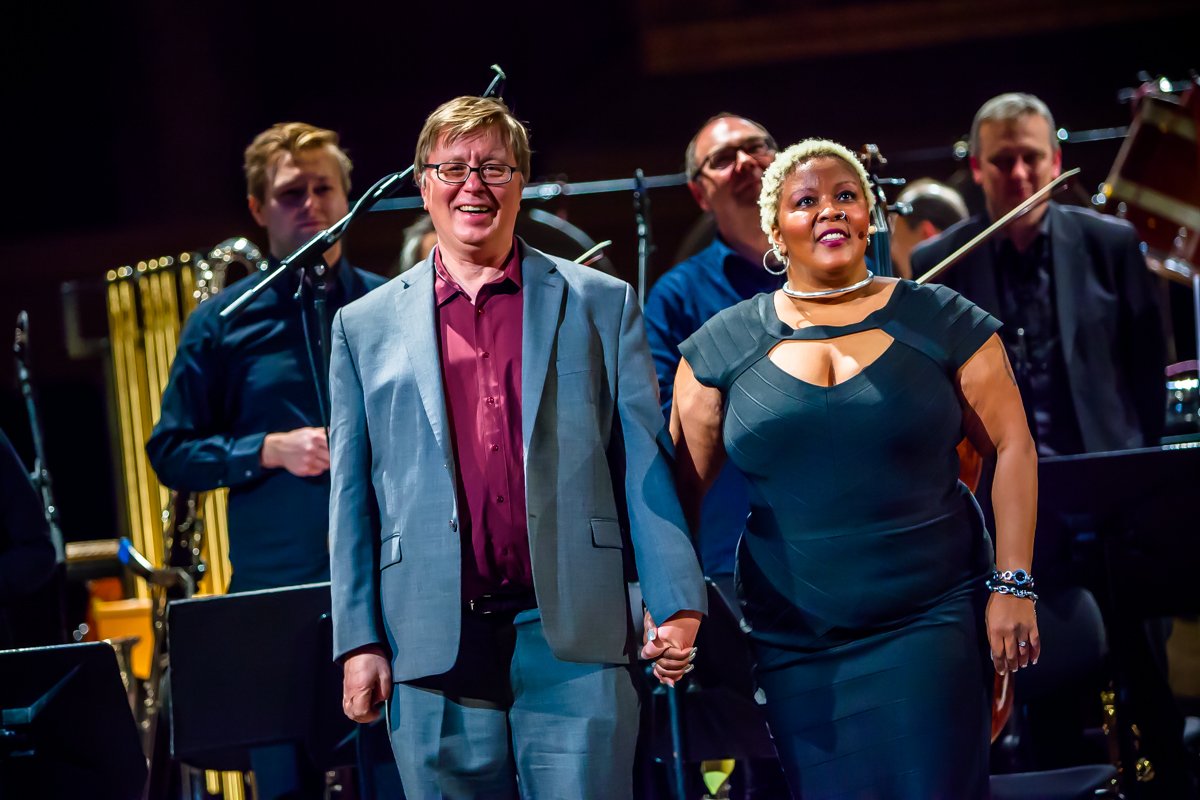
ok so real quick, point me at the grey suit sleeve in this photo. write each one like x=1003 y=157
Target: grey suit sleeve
x=353 y=527
x=667 y=567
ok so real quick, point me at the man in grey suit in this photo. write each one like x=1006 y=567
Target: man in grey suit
x=499 y=476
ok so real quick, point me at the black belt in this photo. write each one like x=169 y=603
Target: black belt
x=488 y=604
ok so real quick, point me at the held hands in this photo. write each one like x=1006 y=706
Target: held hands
x=366 y=683
x=669 y=645
x=1012 y=633
x=303 y=452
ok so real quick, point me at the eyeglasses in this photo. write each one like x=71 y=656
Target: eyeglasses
x=757 y=147
x=458 y=172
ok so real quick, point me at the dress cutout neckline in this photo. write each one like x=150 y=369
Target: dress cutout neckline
x=828 y=387
x=779 y=329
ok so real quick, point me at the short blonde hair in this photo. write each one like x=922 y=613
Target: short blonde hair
x=466 y=116
x=789 y=160
x=289 y=137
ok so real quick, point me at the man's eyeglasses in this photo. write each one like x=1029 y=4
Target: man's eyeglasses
x=757 y=147
x=458 y=172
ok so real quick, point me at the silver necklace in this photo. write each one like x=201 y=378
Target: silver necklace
x=790 y=292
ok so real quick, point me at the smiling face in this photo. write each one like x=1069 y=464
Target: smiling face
x=304 y=194
x=474 y=220
x=822 y=224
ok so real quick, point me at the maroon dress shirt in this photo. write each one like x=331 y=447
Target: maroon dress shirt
x=481 y=372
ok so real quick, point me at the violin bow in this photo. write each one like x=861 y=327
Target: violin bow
x=1038 y=197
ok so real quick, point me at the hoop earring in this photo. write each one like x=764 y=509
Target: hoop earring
x=782 y=259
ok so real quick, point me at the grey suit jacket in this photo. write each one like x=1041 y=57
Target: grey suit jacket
x=1108 y=317
x=599 y=489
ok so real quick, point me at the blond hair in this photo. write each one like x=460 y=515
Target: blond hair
x=289 y=137
x=789 y=160
x=466 y=116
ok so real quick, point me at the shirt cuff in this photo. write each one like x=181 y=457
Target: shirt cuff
x=245 y=460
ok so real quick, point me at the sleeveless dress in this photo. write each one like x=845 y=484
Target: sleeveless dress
x=862 y=565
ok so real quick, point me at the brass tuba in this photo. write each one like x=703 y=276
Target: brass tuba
x=147 y=306
x=187 y=514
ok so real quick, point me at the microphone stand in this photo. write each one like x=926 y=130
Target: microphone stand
x=40 y=475
x=310 y=258
x=641 y=213
x=639 y=185
x=553 y=189
x=51 y=598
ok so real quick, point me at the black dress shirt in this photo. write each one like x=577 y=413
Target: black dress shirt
x=232 y=382
x=1025 y=285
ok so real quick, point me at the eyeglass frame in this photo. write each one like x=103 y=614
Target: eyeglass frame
x=766 y=139
x=437 y=171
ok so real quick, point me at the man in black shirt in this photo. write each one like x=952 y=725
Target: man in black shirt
x=1082 y=324
x=241 y=409
x=1085 y=336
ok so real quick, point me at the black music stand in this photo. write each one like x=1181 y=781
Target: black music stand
x=1138 y=507
x=66 y=729
x=718 y=716
x=1130 y=519
x=255 y=669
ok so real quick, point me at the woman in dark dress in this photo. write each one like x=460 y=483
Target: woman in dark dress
x=864 y=570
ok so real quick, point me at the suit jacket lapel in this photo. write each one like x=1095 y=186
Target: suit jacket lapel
x=414 y=307
x=1066 y=250
x=543 y=287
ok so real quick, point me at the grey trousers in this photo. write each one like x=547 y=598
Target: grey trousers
x=569 y=732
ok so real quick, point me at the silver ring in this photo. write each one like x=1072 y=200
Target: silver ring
x=1022 y=644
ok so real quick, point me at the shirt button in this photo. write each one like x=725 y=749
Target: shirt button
x=491 y=401
x=479 y=311
x=499 y=498
x=453 y=525
x=495 y=448
x=486 y=354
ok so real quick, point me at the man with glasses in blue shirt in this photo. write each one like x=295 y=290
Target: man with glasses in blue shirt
x=725 y=162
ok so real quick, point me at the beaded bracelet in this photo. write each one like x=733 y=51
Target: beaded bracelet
x=1018 y=577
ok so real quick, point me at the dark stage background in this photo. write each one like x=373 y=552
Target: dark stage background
x=127 y=122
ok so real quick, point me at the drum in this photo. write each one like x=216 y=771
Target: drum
x=1155 y=181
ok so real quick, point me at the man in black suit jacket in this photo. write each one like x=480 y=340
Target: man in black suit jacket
x=1082 y=325
x=1085 y=335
